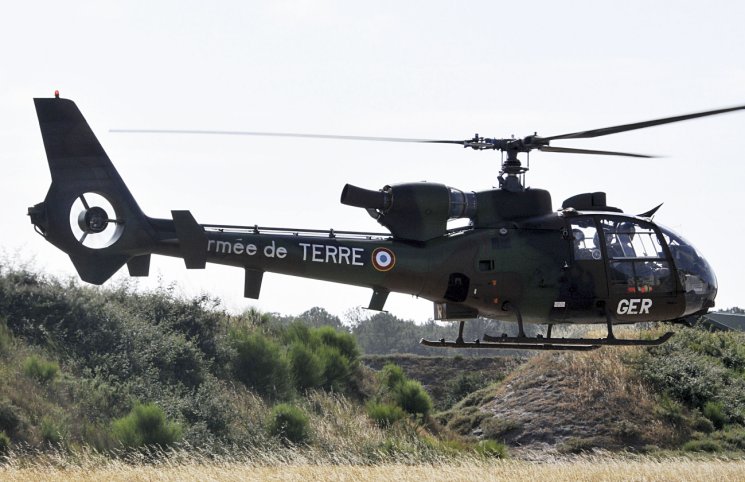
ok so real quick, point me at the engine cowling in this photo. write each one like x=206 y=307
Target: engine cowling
x=414 y=211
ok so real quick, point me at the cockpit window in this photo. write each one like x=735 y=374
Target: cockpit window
x=696 y=274
x=630 y=239
x=636 y=259
x=585 y=240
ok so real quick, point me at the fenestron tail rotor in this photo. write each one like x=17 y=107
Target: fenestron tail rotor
x=94 y=222
x=511 y=165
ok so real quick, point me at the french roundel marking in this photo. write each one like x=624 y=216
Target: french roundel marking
x=383 y=259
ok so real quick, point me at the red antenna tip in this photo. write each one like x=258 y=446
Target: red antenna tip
x=56 y=94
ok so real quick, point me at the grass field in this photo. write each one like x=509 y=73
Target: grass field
x=577 y=469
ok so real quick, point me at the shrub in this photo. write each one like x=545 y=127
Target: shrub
x=578 y=445
x=4 y=443
x=733 y=436
x=714 y=411
x=384 y=414
x=392 y=375
x=40 y=369
x=697 y=367
x=343 y=341
x=52 y=430
x=289 y=423
x=410 y=396
x=491 y=448
x=702 y=424
x=336 y=370
x=4 y=337
x=259 y=364
x=298 y=332
x=146 y=425
x=497 y=428
x=10 y=421
x=464 y=384
x=306 y=368
x=670 y=411
x=705 y=445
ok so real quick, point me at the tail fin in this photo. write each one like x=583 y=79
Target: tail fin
x=88 y=212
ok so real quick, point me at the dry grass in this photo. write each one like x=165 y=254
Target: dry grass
x=570 y=402
x=588 y=468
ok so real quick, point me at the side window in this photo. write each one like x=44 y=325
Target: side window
x=628 y=239
x=636 y=259
x=585 y=239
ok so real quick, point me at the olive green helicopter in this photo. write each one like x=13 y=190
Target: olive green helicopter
x=517 y=260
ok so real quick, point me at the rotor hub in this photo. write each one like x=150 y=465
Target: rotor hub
x=93 y=220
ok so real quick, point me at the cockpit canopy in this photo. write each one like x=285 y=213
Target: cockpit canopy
x=642 y=258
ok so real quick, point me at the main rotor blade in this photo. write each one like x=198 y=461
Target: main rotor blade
x=639 y=125
x=569 y=150
x=288 y=134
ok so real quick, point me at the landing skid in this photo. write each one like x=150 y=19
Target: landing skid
x=598 y=342
x=522 y=345
x=539 y=342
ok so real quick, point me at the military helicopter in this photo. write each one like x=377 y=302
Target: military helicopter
x=518 y=259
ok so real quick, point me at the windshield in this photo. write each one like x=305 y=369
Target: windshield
x=696 y=275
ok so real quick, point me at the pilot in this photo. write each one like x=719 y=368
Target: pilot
x=580 y=249
x=620 y=245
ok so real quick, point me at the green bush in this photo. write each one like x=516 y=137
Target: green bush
x=336 y=369
x=411 y=396
x=10 y=420
x=4 y=443
x=392 y=375
x=697 y=367
x=259 y=364
x=702 y=424
x=298 y=332
x=289 y=423
x=52 y=431
x=146 y=425
x=670 y=411
x=705 y=445
x=491 y=448
x=40 y=369
x=4 y=337
x=384 y=414
x=733 y=436
x=343 y=341
x=306 y=367
x=714 y=411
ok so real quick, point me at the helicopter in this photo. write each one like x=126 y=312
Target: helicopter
x=517 y=260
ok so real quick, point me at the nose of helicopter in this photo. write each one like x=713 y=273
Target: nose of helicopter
x=701 y=286
x=696 y=275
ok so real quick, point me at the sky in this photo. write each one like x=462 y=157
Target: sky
x=417 y=69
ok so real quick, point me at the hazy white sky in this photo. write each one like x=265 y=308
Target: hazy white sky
x=429 y=69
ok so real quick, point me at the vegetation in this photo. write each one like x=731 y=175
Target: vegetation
x=42 y=370
x=385 y=414
x=146 y=425
x=279 y=465
x=4 y=443
x=84 y=367
x=144 y=369
x=289 y=423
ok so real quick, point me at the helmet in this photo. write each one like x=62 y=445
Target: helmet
x=627 y=228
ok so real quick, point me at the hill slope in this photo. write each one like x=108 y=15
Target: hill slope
x=685 y=394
